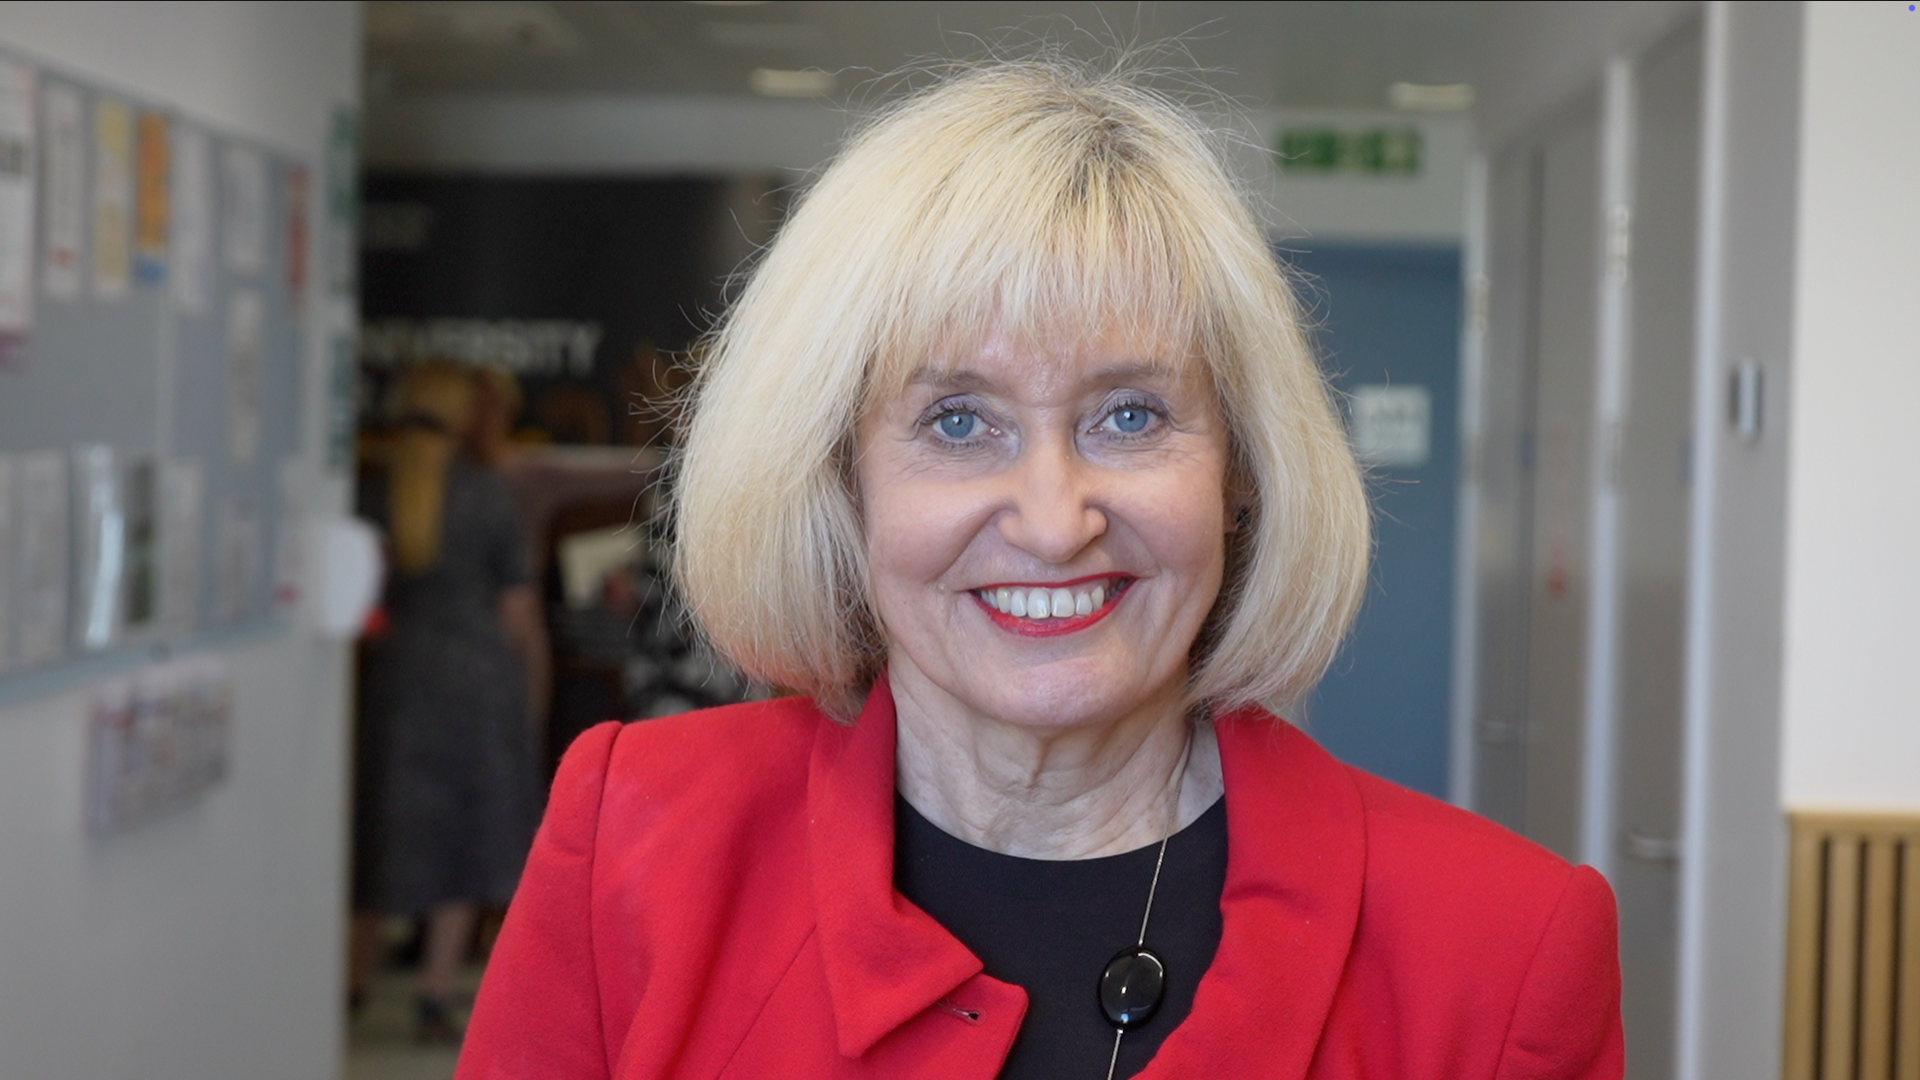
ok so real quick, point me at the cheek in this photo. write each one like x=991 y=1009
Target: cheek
x=915 y=530
x=1188 y=519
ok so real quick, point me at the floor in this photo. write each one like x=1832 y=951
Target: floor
x=380 y=1040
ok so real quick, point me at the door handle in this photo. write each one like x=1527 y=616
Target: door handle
x=1650 y=848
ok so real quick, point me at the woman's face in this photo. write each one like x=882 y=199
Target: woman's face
x=1046 y=531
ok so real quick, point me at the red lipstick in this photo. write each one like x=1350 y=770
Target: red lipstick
x=1053 y=627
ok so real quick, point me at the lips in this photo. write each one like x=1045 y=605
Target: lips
x=1044 y=610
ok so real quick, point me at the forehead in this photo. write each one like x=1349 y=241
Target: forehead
x=1000 y=364
x=1066 y=347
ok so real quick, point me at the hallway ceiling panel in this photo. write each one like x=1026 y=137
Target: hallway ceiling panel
x=1301 y=54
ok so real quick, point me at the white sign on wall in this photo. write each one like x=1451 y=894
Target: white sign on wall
x=1392 y=425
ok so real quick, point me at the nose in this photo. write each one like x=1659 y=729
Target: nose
x=1052 y=511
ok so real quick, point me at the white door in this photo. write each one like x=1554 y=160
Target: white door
x=1581 y=483
x=1533 y=465
x=1652 y=496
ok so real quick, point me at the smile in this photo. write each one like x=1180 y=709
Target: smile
x=1046 y=610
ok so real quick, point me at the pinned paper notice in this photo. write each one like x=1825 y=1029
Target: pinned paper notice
x=192 y=219
x=153 y=200
x=246 y=341
x=112 y=198
x=299 y=242
x=63 y=116
x=243 y=213
x=181 y=513
x=239 y=561
x=8 y=520
x=103 y=544
x=1392 y=425
x=41 y=582
x=17 y=169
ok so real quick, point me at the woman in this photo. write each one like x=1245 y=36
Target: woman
x=445 y=777
x=1013 y=460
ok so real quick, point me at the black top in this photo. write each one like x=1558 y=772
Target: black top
x=1050 y=926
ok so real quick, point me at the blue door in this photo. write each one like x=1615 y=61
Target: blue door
x=1389 y=317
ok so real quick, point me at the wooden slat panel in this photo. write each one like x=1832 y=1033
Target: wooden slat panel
x=1906 y=1065
x=1803 y=953
x=1841 y=954
x=1853 y=948
x=1878 y=942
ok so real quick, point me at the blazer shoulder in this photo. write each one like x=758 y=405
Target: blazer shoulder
x=704 y=761
x=1504 y=937
x=1423 y=836
x=717 y=737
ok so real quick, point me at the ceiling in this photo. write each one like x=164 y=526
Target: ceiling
x=1300 y=54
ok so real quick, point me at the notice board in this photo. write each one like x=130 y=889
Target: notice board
x=153 y=269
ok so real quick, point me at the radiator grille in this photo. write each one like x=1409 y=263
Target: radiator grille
x=1853 y=948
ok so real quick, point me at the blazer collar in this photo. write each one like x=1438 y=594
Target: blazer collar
x=1296 y=863
x=886 y=960
x=1296 y=857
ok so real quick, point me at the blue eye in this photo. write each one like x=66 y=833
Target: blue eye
x=1130 y=419
x=958 y=425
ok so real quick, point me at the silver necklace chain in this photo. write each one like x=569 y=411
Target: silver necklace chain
x=1173 y=825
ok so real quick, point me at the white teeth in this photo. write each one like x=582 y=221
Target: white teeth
x=1039 y=604
x=1032 y=602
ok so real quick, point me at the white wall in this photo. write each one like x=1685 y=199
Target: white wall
x=207 y=944
x=1532 y=56
x=1852 y=714
x=664 y=135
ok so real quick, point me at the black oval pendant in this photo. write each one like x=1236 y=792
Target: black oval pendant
x=1131 y=987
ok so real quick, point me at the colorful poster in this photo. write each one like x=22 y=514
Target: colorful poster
x=152 y=199
x=243 y=211
x=298 y=243
x=16 y=199
x=41 y=579
x=183 y=487
x=192 y=219
x=112 y=198
x=63 y=125
x=246 y=342
x=102 y=547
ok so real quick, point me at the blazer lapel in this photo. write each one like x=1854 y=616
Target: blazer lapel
x=886 y=960
x=1296 y=860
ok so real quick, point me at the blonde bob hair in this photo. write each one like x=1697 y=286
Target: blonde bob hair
x=1044 y=201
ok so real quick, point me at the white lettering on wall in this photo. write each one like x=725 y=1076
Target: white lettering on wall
x=522 y=346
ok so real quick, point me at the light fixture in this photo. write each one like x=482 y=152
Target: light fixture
x=762 y=35
x=779 y=82
x=1430 y=97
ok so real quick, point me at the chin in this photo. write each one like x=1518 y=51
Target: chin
x=1059 y=700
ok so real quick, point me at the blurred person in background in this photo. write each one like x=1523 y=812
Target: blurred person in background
x=452 y=684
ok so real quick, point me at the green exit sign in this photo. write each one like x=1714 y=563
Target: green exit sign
x=1383 y=151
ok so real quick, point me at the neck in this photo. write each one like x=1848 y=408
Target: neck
x=1070 y=793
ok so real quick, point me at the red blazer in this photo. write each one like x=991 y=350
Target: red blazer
x=712 y=896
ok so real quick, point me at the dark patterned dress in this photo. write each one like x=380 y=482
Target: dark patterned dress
x=445 y=791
